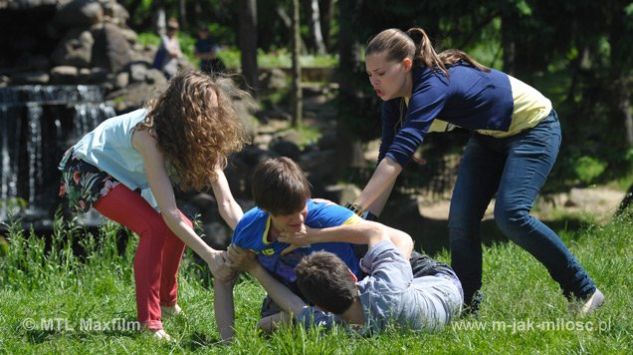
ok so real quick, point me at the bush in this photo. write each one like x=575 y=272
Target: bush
x=588 y=169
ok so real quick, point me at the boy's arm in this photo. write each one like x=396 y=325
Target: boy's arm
x=286 y=299
x=363 y=232
x=224 y=307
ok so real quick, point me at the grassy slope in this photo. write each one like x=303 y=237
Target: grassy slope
x=36 y=285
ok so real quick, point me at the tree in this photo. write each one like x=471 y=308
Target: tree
x=349 y=93
x=315 y=26
x=248 y=43
x=297 y=100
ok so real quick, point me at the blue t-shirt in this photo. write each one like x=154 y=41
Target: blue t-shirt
x=252 y=233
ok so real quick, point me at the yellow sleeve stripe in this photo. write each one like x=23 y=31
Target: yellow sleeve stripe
x=530 y=108
x=265 y=235
x=352 y=220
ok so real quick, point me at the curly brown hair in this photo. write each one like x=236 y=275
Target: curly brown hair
x=196 y=126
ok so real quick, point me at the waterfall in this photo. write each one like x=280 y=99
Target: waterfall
x=37 y=124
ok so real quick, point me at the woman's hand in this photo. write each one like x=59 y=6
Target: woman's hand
x=241 y=259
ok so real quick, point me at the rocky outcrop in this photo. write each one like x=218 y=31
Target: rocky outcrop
x=77 y=42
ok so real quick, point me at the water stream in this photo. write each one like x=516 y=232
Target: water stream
x=37 y=124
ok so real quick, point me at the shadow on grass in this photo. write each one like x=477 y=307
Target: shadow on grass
x=199 y=341
x=38 y=336
x=431 y=235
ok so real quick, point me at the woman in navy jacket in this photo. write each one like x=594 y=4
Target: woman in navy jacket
x=515 y=141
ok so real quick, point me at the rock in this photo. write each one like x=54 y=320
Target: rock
x=328 y=140
x=155 y=77
x=111 y=49
x=274 y=79
x=25 y=4
x=263 y=140
x=133 y=96
x=97 y=75
x=38 y=62
x=75 y=49
x=217 y=235
x=30 y=78
x=290 y=135
x=138 y=71
x=64 y=75
x=342 y=193
x=286 y=149
x=122 y=80
x=131 y=37
x=203 y=201
x=116 y=12
x=319 y=161
x=79 y=13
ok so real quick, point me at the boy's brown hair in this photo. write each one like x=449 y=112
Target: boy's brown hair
x=280 y=187
x=325 y=280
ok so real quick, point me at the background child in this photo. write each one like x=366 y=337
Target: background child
x=183 y=137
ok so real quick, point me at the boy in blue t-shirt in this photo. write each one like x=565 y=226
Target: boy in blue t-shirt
x=282 y=195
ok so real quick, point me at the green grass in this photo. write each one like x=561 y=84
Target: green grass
x=40 y=283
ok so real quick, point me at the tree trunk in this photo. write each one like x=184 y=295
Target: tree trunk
x=315 y=26
x=349 y=48
x=349 y=61
x=182 y=13
x=160 y=21
x=248 y=43
x=507 y=41
x=283 y=15
x=297 y=100
x=328 y=11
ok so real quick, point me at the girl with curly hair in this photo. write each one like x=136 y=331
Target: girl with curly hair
x=125 y=168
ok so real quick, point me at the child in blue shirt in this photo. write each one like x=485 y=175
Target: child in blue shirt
x=282 y=195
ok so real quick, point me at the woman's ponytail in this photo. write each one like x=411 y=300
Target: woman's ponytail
x=415 y=44
x=424 y=52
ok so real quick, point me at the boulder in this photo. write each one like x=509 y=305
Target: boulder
x=116 y=12
x=138 y=71
x=78 y=13
x=286 y=149
x=30 y=78
x=155 y=77
x=122 y=80
x=274 y=79
x=111 y=49
x=75 y=49
x=64 y=74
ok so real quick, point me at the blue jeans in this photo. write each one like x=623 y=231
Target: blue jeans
x=515 y=168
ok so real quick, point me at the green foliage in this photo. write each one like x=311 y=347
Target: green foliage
x=40 y=283
x=148 y=38
x=588 y=168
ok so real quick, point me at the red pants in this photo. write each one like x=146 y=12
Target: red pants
x=157 y=257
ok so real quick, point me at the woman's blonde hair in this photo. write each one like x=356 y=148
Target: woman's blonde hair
x=416 y=45
x=195 y=135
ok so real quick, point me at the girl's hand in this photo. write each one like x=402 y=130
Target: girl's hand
x=220 y=266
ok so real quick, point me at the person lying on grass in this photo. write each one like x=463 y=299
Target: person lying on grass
x=282 y=195
x=390 y=294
